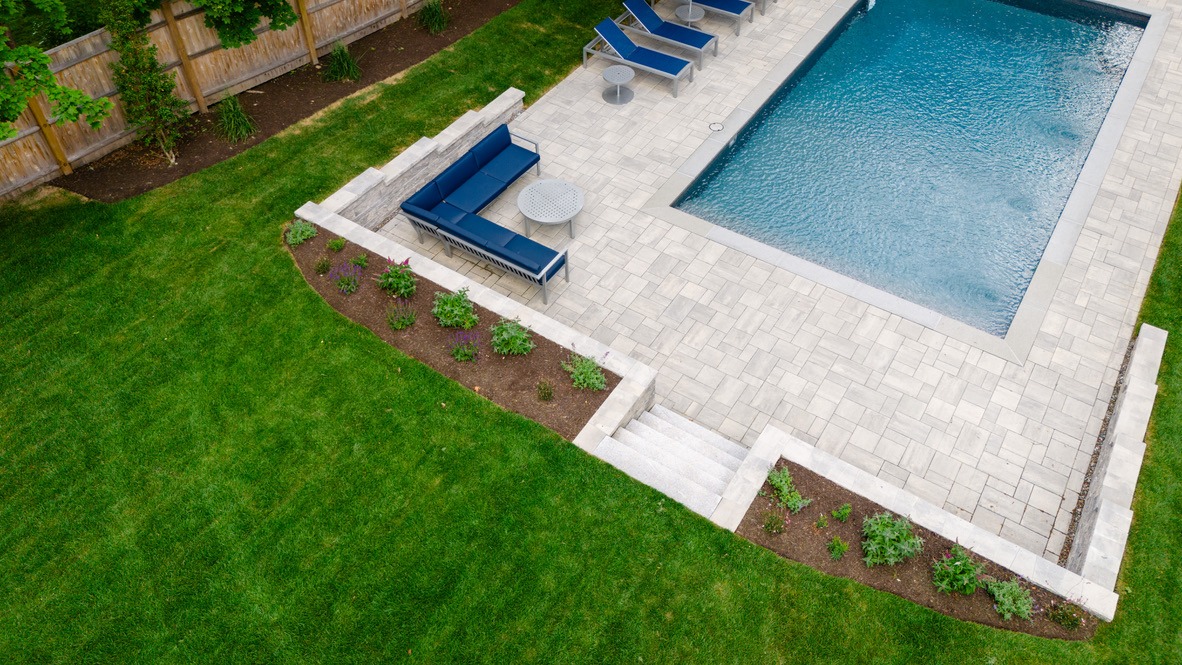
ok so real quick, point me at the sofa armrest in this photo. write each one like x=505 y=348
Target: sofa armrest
x=532 y=142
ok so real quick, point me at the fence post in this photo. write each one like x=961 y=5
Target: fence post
x=51 y=137
x=183 y=51
x=402 y=6
x=309 y=36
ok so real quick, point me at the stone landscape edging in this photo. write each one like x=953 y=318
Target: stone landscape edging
x=775 y=443
x=638 y=382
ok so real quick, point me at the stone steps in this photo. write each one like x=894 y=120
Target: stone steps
x=682 y=459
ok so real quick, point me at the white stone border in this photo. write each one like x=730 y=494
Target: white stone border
x=775 y=443
x=638 y=382
x=1103 y=525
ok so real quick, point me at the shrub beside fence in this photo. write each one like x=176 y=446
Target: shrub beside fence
x=205 y=73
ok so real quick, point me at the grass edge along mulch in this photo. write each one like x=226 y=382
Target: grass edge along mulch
x=201 y=461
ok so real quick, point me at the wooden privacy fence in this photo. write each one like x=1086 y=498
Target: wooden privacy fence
x=204 y=71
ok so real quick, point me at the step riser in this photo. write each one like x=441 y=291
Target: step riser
x=671 y=431
x=683 y=453
x=662 y=479
x=716 y=440
x=666 y=459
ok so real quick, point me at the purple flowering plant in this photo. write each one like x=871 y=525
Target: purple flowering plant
x=347 y=277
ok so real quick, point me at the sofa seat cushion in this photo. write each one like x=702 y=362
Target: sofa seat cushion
x=511 y=163
x=476 y=193
x=491 y=234
x=448 y=213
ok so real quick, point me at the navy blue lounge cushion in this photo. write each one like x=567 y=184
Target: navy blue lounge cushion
x=476 y=192
x=660 y=27
x=615 y=38
x=492 y=145
x=660 y=61
x=511 y=163
x=687 y=36
x=456 y=174
x=735 y=7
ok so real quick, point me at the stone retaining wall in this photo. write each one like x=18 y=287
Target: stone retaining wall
x=1104 y=521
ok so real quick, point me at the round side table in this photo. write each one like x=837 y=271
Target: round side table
x=618 y=75
x=689 y=14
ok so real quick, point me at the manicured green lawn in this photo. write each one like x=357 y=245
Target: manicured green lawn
x=201 y=461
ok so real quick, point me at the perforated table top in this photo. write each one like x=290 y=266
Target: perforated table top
x=550 y=201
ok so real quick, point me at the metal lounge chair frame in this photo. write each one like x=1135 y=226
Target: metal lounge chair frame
x=632 y=24
x=600 y=47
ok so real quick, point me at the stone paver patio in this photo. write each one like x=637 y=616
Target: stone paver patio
x=740 y=343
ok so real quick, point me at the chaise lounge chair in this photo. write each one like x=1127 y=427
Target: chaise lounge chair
x=732 y=9
x=652 y=25
x=614 y=45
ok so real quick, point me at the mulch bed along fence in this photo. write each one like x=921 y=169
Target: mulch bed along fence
x=802 y=541
x=275 y=105
x=509 y=381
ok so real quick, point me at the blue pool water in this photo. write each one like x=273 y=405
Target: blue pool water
x=928 y=151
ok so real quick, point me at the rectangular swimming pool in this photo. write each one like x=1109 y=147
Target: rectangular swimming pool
x=928 y=148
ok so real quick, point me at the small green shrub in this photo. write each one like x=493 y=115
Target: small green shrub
x=398 y=280
x=1067 y=615
x=464 y=348
x=234 y=123
x=585 y=373
x=336 y=244
x=545 y=391
x=347 y=277
x=1010 y=599
x=400 y=316
x=888 y=540
x=433 y=17
x=323 y=265
x=837 y=548
x=510 y=338
x=821 y=522
x=340 y=65
x=786 y=492
x=957 y=572
x=298 y=232
x=773 y=523
x=361 y=260
x=454 y=310
x=843 y=513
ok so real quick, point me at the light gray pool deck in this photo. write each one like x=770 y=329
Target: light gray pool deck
x=740 y=342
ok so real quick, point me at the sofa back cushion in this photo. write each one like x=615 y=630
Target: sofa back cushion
x=428 y=197
x=457 y=174
x=492 y=145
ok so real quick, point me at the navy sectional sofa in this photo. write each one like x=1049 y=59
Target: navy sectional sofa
x=448 y=208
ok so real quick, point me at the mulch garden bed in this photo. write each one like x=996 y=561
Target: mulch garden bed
x=509 y=381
x=276 y=104
x=803 y=541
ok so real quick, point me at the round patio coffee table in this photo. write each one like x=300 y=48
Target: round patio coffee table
x=550 y=202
